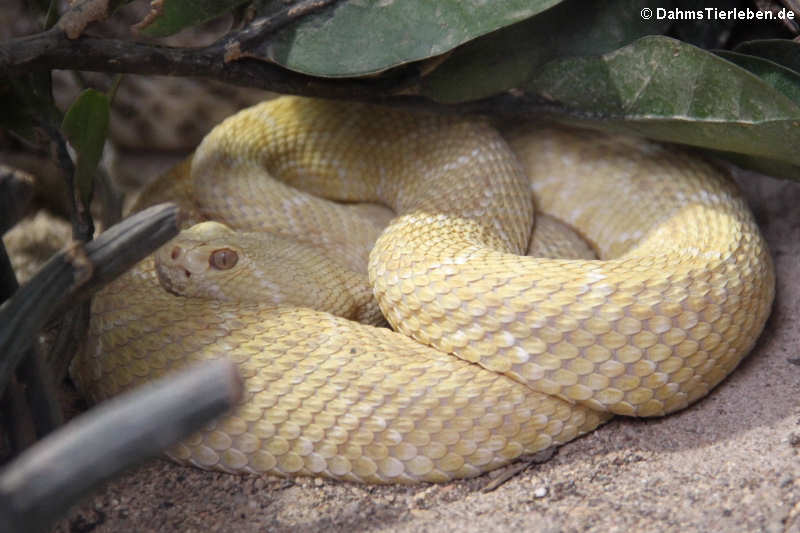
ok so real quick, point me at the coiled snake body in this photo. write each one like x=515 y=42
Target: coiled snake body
x=495 y=354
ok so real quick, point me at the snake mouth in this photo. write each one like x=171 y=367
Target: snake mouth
x=175 y=282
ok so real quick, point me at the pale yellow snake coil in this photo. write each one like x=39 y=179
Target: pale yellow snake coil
x=494 y=354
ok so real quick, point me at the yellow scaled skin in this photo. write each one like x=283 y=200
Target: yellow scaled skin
x=495 y=354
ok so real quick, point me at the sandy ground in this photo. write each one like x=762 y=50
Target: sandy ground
x=729 y=463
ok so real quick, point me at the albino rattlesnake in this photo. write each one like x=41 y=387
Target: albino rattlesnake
x=496 y=355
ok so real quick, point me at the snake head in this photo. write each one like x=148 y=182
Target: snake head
x=200 y=262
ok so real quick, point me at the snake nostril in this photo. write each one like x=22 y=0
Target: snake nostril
x=187 y=274
x=176 y=253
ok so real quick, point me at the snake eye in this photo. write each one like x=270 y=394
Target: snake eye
x=223 y=259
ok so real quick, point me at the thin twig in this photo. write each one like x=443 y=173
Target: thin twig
x=514 y=470
x=14 y=415
x=70 y=333
x=40 y=391
x=8 y=280
x=73 y=325
x=30 y=404
x=16 y=191
x=16 y=420
x=52 y=49
x=262 y=28
x=82 y=223
x=54 y=473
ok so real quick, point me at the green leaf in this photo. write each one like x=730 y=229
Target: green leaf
x=508 y=58
x=698 y=28
x=671 y=91
x=85 y=126
x=781 y=78
x=781 y=51
x=361 y=37
x=175 y=15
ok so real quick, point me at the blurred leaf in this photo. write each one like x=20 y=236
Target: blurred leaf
x=770 y=167
x=781 y=78
x=85 y=126
x=50 y=13
x=671 y=91
x=781 y=51
x=706 y=32
x=174 y=15
x=510 y=57
x=14 y=113
x=26 y=104
x=360 y=37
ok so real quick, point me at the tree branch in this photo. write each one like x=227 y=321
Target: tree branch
x=227 y=61
x=54 y=473
x=74 y=274
x=41 y=413
x=52 y=49
x=262 y=28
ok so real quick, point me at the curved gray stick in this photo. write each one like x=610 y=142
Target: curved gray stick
x=54 y=473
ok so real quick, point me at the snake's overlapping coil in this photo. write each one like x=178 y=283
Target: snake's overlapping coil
x=495 y=354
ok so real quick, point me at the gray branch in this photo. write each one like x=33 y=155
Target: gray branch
x=41 y=414
x=76 y=273
x=52 y=49
x=54 y=473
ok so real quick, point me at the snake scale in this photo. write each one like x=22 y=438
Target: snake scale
x=492 y=354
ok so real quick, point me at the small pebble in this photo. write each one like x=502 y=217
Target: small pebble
x=540 y=492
